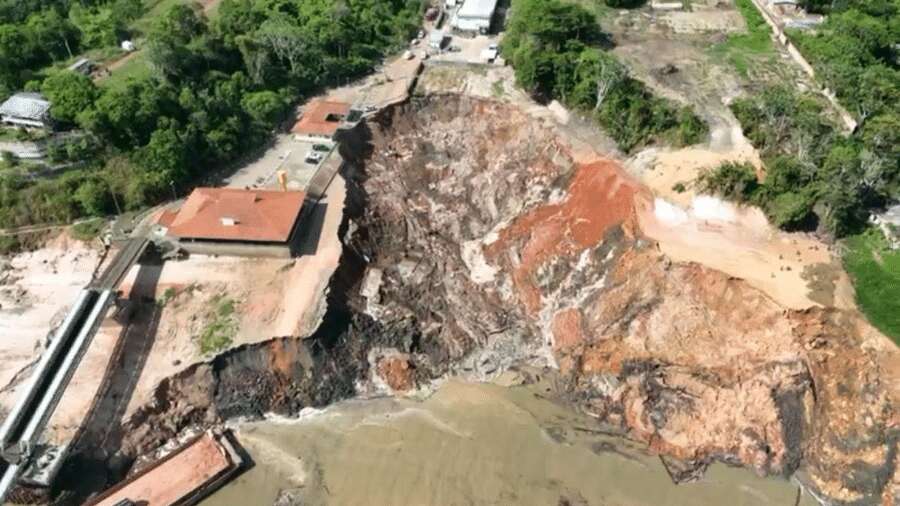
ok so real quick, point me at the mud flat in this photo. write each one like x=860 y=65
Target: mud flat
x=470 y=444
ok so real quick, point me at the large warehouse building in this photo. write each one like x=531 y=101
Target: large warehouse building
x=475 y=16
x=231 y=221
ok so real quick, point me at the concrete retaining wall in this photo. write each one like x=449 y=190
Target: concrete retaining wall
x=236 y=249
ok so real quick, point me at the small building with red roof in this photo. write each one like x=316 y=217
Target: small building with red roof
x=236 y=221
x=321 y=118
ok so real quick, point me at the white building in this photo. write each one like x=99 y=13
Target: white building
x=26 y=110
x=436 y=39
x=475 y=16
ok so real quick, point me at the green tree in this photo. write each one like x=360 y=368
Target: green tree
x=170 y=47
x=53 y=33
x=94 y=197
x=732 y=180
x=98 y=25
x=265 y=107
x=70 y=94
x=166 y=155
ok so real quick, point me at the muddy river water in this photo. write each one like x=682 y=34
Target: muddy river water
x=469 y=443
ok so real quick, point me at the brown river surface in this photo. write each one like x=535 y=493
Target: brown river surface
x=470 y=443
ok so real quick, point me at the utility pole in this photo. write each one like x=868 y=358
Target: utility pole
x=172 y=186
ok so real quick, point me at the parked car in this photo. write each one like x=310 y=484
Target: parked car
x=454 y=49
x=314 y=157
x=489 y=54
x=324 y=148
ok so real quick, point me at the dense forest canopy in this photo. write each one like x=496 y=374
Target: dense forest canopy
x=34 y=34
x=216 y=91
x=818 y=176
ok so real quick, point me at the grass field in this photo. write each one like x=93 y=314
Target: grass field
x=136 y=67
x=875 y=271
x=744 y=50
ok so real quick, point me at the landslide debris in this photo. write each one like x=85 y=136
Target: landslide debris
x=493 y=239
x=474 y=241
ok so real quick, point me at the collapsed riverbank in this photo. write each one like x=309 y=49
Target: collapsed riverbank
x=474 y=240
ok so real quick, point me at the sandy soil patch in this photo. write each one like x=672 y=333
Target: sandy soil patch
x=36 y=290
x=740 y=242
x=662 y=169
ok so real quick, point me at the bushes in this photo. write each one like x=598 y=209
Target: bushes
x=88 y=230
x=817 y=177
x=732 y=180
x=9 y=244
x=555 y=49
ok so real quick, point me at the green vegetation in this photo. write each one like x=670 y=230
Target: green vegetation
x=733 y=180
x=167 y=296
x=556 y=50
x=70 y=93
x=820 y=178
x=746 y=50
x=135 y=68
x=816 y=178
x=9 y=244
x=36 y=34
x=88 y=230
x=875 y=270
x=497 y=88
x=198 y=95
x=219 y=333
x=855 y=53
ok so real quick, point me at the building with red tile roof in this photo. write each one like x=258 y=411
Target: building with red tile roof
x=321 y=118
x=233 y=215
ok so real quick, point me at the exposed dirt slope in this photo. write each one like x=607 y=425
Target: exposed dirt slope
x=487 y=245
x=531 y=246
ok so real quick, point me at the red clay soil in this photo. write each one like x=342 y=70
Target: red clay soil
x=600 y=196
x=397 y=372
x=568 y=329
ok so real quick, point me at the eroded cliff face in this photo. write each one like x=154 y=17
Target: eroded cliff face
x=477 y=242
x=492 y=238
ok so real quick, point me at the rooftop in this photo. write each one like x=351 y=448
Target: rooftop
x=233 y=214
x=176 y=478
x=477 y=9
x=321 y=117
x=26 y=105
